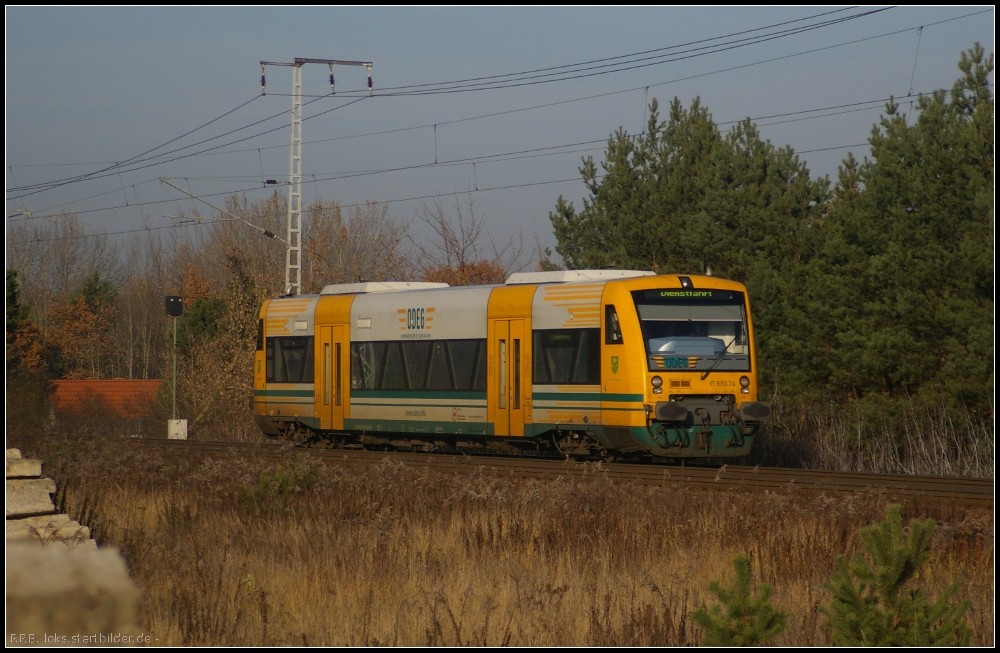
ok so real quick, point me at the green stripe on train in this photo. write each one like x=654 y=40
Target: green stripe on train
x=416 y=394
x=591 y=409
x=426 y=394
x=584 y=396
x=284 y=393
x=356 y=404
x=414 y=426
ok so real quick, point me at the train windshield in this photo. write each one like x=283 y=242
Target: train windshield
x=694 y=330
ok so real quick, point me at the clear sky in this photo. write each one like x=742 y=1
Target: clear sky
x=87 y=88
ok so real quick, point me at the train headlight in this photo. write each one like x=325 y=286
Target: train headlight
x=745 y=381
x=656 y=381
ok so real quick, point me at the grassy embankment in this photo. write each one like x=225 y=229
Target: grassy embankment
x=232 y=551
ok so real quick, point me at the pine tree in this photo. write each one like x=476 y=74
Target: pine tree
x=17 y=325
x=26 y=398
x=15 y=312
x=741 y=619
x=883 y=286
x=97 y=292
x=876 y=604
x=643 y=212
x=908 y=251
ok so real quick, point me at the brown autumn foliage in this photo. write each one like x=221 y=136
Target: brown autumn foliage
x=236 y=550
x=194 y=286
x=24 y=345
x=476 y=273
x=222 y=261
x=77 y=336
x=53 y=257
x=215 y=373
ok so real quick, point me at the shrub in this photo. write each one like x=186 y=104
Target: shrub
x=875 y=604
x=741 y=620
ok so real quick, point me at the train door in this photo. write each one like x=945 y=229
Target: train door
x=510 y=379
x=331 y=397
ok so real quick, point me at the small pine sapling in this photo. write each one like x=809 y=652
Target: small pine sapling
x=875 y=604
x=741 y=619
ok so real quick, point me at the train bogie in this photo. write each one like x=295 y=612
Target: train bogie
x=605 y=362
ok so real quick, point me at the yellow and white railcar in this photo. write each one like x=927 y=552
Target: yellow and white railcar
x=585 y=360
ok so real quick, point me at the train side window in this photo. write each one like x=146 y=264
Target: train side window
x=465 y=357
x=479 y=370
x=289 y=359
x=336 y=379
x=566 y=356
x=260 y=335
x=517 y=374
x=444 y=365
x=366 y=363
x=326 y=373
x=502 y=365
x=269 y=361
x=439 y=374
x=416 y=355
x=612 y=328
x=394 y=375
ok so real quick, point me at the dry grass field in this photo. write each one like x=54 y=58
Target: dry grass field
x=912 y=436
x=237 y=551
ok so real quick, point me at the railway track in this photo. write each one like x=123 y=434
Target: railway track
x=944 y=496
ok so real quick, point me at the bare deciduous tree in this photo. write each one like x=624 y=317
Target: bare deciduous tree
x=140 y=325
x=367 y=246
x=53 y=256
x=457 y=253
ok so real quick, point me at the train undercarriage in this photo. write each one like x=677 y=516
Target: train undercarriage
x=557 y=443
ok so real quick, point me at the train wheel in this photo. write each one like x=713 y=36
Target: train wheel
x=299 y=435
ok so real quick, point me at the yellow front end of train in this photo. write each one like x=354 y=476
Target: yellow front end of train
x=679 y=367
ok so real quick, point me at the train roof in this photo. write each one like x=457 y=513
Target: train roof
x=563 y=299
x=570 y=276
x=365 y=287
x=516 y=279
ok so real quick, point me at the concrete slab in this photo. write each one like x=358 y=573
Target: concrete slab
x=49 y=530
x=30 y=496
x=60 y=596
x=39 y=521
x=23 y=468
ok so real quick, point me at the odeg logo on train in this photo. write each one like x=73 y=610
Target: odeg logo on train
x=415 y=318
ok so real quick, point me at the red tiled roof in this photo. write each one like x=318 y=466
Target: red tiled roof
x=126 y=398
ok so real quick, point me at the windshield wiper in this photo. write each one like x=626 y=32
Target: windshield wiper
x=718 y=360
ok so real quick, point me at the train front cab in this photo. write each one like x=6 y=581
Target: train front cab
x=679 y=368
